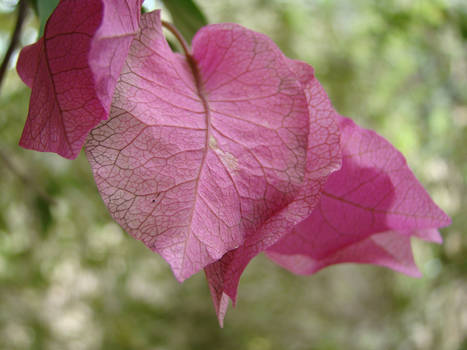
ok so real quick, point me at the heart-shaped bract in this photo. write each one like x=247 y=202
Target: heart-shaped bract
x=192 y=161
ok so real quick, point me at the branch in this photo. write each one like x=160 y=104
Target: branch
x=22 y=7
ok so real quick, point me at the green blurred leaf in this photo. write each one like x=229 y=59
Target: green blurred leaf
x=187 y=16
x=45 y=9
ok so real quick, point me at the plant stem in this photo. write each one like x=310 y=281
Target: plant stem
x=179 y=36
x=191 y=61
x=22 y=7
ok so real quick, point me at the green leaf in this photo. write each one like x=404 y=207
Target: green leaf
x=187 y=16
x=45 y=9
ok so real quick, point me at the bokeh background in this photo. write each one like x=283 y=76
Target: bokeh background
x=70 y=278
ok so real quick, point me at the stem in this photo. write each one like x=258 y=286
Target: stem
x=189 y=57
x=179 y=36
x=22 y=7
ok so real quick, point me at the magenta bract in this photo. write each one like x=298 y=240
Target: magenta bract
x=72 y=71
x=211 y=160
x=367 y=212
x=195 y=168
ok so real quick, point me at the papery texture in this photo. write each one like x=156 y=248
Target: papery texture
x=194 y=160
x=367 y=212
x=72 y=71
x=323 y=157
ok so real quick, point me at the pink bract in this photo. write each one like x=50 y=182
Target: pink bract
x=214 y=158
x=193 y=163
x=367 y=211
x=72 y=71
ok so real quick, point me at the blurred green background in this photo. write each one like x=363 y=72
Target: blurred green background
x=70 y=278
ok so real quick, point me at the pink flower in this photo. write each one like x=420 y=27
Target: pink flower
x=216 y=156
